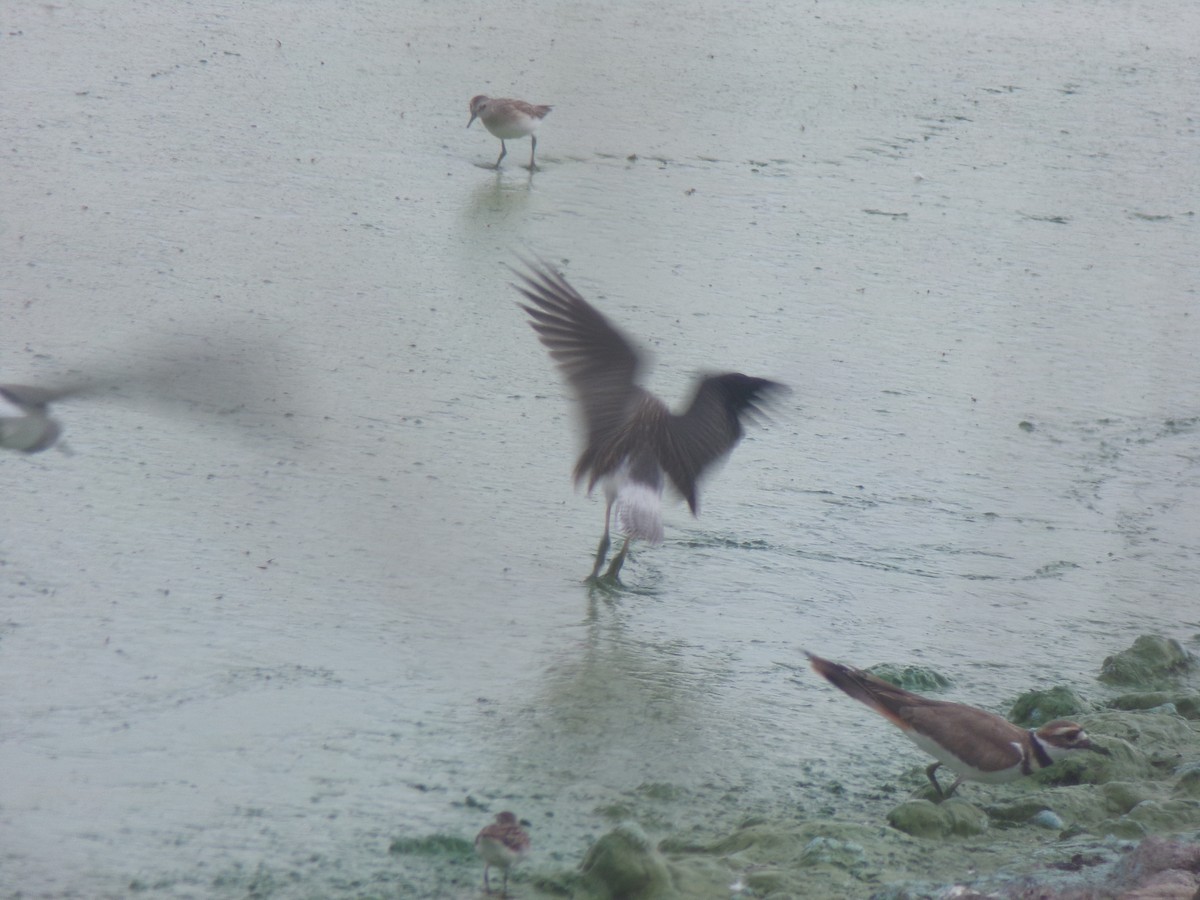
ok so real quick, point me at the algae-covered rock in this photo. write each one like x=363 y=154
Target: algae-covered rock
x=1140 y=744
x=1080 y=807
x=697 y=876
x=1126 y=810
x=818 y=858
x=1141 y=700
x=624 y=864
x=1025 y=811
x=1166 y=815
x=1186 y=703
x=1077 y=768
x=1141 y=728
x=1151 y=662
x=1188 y=784
x=911 y=678
x=1122 y=796
x=766 y=882
x=953 y=818
x=764 y=840
x=1124 y=762
x=1016 y=811
x=1124 y=829
x=754 y=834
x=831 y=851
x=1036 y=708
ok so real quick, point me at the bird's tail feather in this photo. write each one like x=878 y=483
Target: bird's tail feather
x=638 y=511
x=865 y=688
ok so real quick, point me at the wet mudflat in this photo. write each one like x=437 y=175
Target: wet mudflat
x=320 y=590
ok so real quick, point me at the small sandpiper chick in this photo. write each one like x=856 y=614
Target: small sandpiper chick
x=977 y=744
x=635 y=444
x=504 y=843
x=25 y=422
x=508 y=120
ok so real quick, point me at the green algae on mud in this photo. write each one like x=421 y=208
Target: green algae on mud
x=1074 y=826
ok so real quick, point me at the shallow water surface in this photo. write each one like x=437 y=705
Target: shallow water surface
x=316 y=582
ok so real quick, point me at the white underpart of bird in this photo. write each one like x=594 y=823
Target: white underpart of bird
x=636 y=505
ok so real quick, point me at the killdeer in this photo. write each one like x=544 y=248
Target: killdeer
x=25 y=422
x=978 y=745
x=508 y=119
x=503 y=843
x=633 y=440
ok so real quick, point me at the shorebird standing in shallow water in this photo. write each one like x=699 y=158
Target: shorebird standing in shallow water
x=978 y=745
x=508 y=119
x=633 y=442
x=503 y=843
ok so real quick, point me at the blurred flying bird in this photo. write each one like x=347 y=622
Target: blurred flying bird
x=25 y=421
x=633 y=442
x=180 y=374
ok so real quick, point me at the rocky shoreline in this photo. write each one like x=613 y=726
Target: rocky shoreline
x=1125 y=825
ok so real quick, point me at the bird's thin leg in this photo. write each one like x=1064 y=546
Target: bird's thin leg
x=602 y=550
x=504 y=889
x=532 y=150
x=503 y=150
x=618 y=561
x=487 y=888
x=933 y=780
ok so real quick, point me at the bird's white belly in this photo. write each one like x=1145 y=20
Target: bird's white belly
x=23 y=432
x=636 y=506
x=959 y=767
x=516 y=128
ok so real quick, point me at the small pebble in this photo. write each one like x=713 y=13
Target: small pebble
x=1047 y=818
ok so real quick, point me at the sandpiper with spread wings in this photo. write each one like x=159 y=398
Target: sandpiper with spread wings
x=976 y=744
x=633 y=442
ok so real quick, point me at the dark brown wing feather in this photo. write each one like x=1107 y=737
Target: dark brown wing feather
x=538 y=111
x=710 y=427
x=598 y=361
x=992 y=737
